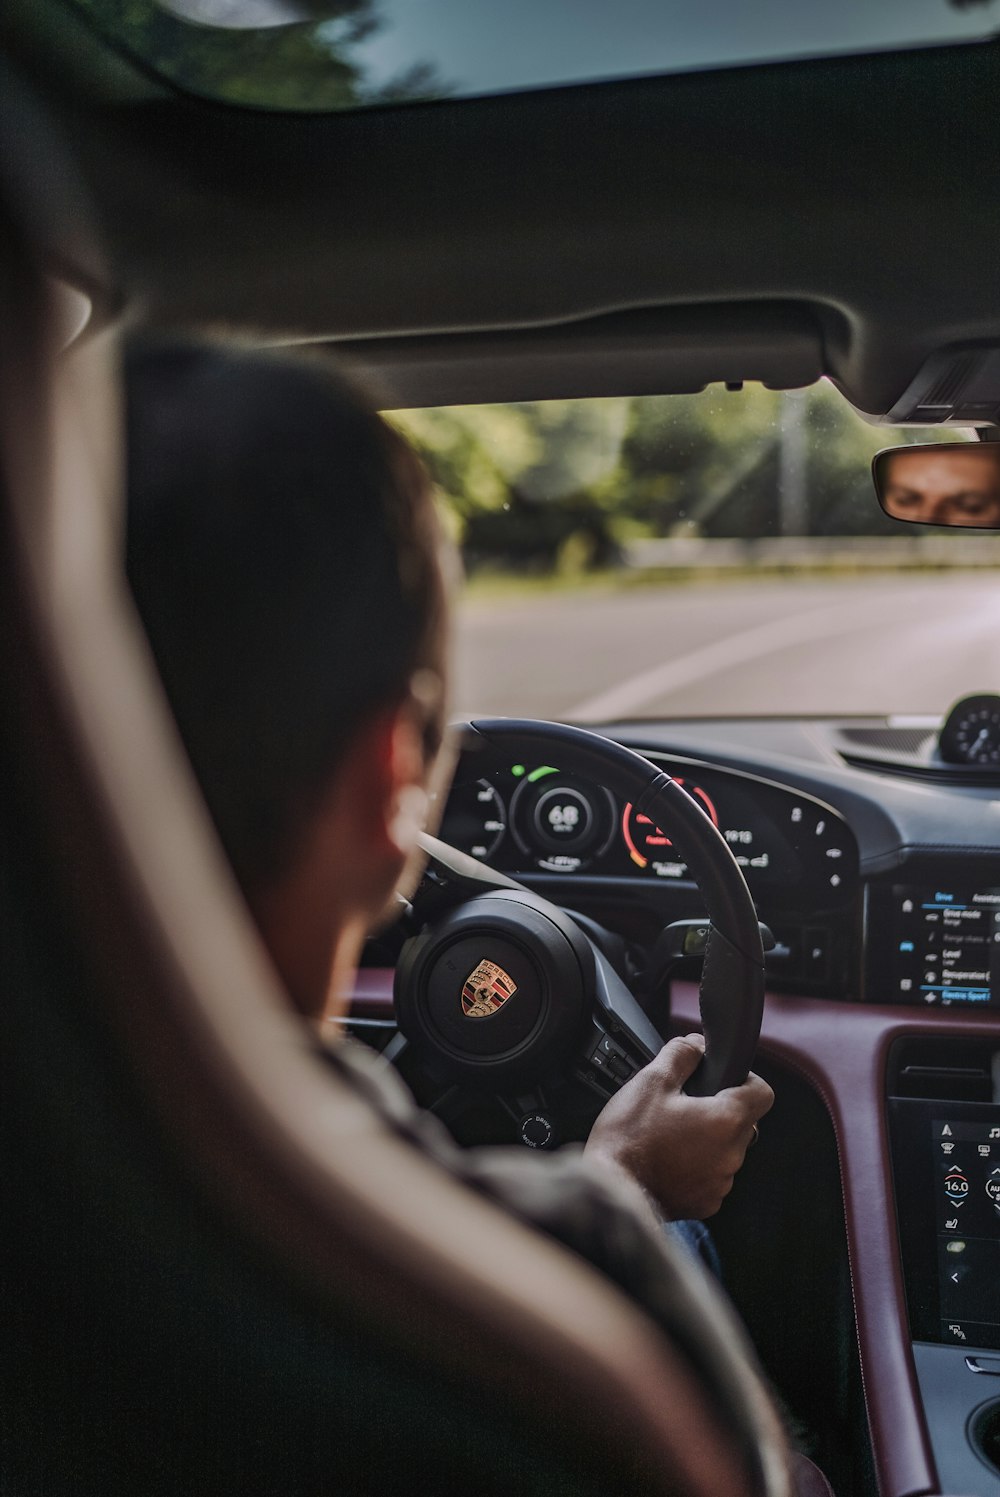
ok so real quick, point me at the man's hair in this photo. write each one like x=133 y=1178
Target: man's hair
x=283 y=554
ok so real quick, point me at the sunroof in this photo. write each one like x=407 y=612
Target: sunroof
x=350 y=54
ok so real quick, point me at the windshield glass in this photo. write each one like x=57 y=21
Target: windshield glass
x=711 y=554
x=349 y=54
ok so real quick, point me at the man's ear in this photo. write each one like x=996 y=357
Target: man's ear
x=349 y=860
x=390 y=771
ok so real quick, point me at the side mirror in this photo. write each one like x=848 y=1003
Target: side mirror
x=944 y=483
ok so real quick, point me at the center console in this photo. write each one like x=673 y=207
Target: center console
x=944 y=1128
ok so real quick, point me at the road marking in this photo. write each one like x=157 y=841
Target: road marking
x=735 y=649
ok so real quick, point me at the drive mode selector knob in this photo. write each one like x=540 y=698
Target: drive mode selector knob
x=536 y=1131
x=496 y=992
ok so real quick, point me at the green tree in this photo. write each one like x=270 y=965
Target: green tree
x=312 y=65
x=535 y=484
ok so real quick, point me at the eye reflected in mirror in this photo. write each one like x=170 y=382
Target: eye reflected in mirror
x=944 y=483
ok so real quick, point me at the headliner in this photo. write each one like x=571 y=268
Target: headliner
x=774 y=222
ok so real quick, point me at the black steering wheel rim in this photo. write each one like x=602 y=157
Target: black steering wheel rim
x=732 y=984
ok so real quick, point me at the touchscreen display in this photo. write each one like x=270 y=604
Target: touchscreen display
x=967 y=1211
x=946 y=945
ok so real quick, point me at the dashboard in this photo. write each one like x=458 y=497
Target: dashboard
x=877 y=884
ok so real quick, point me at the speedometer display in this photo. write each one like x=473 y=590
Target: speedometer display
x=561 y=822
x=533 y=819
x=649 y=847
x=476 y=819
x=775 y=837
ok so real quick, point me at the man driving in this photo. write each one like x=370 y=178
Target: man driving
x=293 y=581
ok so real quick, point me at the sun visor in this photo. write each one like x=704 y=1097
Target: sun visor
x=959 y=386
x=648 y=352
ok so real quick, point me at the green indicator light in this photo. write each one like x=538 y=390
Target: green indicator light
x=539 y=774
x=517 y=771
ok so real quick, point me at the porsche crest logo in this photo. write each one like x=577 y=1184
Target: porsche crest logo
x=486 y=990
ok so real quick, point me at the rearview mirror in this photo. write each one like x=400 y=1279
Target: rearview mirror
x=944 y=483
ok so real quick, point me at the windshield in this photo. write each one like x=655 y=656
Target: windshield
x=707 y=555
x=349 y=54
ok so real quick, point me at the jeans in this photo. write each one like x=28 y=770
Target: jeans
x=698 y=1240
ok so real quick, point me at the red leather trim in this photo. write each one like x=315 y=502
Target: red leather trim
x=840 y=1048
x=372 y=995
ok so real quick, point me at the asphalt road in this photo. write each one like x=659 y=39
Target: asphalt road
x=859 y=644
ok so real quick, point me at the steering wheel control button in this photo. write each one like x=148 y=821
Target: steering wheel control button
x=611 y=1060
x=536 y=1131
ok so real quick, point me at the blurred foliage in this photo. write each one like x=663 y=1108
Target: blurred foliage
x=306 y=66
x=557 y=484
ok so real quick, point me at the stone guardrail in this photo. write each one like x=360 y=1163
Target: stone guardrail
x=967 y=549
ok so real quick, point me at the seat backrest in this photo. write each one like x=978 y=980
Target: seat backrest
x=221 y=1272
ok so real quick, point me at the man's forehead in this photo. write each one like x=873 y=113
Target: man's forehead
x=978 y=465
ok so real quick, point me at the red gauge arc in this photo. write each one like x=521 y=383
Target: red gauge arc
x=644 y=839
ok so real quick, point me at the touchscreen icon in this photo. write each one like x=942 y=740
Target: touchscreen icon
x=993 y=1188
x=956 y=1186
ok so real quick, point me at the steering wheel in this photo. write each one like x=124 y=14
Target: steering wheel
x=502 y=990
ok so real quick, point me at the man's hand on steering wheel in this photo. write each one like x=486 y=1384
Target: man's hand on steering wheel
x=683 y=1151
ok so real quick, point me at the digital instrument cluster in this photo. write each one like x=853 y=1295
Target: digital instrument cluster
x=532 y=818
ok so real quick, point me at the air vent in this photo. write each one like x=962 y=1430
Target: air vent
x=942 y=1070
x=893 y=740
x=964 y=775
x=910 y=750
x=946 y=1083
